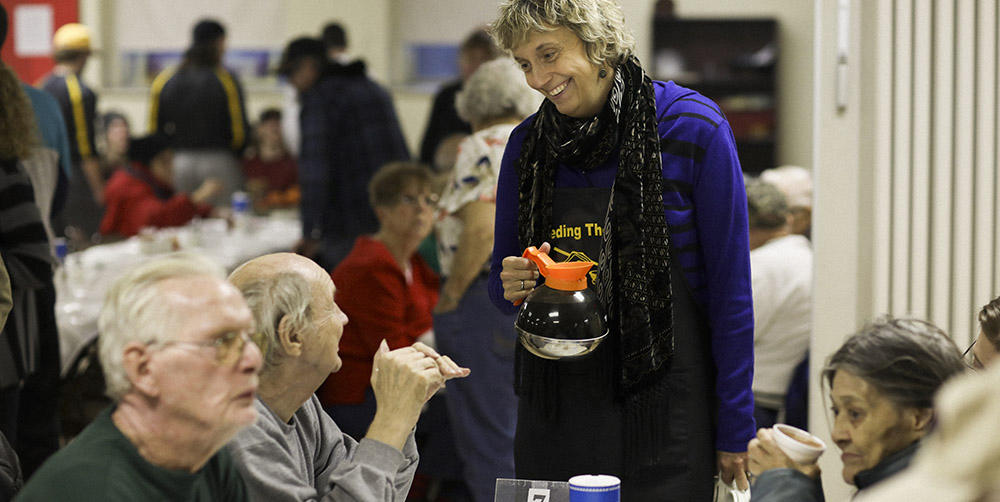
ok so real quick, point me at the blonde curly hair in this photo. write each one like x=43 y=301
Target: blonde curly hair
x=17 y=119
x=600 y=24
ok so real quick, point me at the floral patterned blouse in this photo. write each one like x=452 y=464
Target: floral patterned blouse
x=474 y=178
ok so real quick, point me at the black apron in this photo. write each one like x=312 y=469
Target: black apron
x=585 y=435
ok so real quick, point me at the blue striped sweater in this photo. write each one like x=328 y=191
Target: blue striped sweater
x=705 y=207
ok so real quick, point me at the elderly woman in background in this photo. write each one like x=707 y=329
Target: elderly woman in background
x=882 y=382
x=647 y=172
x=393 y=290
x=483 y=408
x=958 y=462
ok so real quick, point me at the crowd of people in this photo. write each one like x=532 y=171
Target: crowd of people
x=378 y=359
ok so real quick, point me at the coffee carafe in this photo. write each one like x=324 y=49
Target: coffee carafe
x=562 y=318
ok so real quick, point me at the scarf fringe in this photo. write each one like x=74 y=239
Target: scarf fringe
x=646 y=428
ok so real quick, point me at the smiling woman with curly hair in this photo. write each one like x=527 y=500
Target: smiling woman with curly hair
x=648 y=173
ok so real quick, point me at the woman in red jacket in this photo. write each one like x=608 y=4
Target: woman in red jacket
x=141 y=194
x=392 y=290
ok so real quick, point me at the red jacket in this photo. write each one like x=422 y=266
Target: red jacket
x=280 y=174
x=372 y=290
x=131 y=203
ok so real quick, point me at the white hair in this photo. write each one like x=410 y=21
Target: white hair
x=794 y=181
x=285 y=294
x=496 y=90
x=134 y=312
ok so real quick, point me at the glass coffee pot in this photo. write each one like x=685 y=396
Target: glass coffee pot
x=562 y=318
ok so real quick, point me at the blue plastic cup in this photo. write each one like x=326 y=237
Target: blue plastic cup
x=594 y=488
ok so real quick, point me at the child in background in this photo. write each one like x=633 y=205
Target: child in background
x=141 y=194
x=112 y=143
x=270 y=169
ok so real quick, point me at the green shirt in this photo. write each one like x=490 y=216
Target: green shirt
x=101 y=464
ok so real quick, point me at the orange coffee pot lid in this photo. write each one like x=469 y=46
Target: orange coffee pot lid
x=565 y=276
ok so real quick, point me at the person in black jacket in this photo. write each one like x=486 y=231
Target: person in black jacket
x=882 y=382
x=200 y=105
x=349 y=130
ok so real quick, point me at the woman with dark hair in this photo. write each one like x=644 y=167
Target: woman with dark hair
x=29 y=341
x=642 y=177
x=882 y=383
x=200 y=105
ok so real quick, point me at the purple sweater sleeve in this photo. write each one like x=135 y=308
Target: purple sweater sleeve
x=721 y=216
x=505 y=240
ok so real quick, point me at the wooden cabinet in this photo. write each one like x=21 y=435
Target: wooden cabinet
x=734 y=62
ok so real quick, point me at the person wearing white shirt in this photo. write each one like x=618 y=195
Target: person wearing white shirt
x=781 y=274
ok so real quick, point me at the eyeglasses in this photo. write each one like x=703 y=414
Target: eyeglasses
x=970 y=359
x=429 y=200
x=228 y=347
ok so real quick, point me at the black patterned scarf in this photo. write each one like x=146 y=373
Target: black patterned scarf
x=633 y=279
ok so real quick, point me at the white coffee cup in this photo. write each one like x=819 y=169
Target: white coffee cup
x=799 y=445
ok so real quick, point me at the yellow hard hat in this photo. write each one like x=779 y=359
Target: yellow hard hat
x=72 y=36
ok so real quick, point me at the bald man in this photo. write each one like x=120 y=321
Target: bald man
x=295 y=451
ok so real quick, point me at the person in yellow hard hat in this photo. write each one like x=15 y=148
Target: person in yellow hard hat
x=82 y=212
x=200 y=105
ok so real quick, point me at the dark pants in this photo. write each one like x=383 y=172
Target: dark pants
x=333 y=250
x=81 y=211
x=765 y=417
x=29 y=415
x=354 y=419
x=482 y=408
x=438 y=458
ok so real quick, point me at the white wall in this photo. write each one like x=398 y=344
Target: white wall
x=379 y=28
x=841 y=223
x=367 y=24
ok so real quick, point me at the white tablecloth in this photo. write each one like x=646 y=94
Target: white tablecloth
x=85 y=277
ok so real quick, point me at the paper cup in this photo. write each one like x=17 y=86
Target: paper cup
x=798 y=444
x=594 y=488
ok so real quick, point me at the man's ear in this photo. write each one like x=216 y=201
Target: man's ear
x=288 y=338
x=137 y=364
x=920 y=418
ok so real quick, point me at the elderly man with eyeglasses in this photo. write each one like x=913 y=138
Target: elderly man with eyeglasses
x=295 y=451
x=176 y=351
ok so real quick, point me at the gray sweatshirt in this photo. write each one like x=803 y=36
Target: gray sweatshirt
x=309 y=458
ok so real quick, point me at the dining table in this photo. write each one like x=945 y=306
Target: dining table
x=83 y=278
